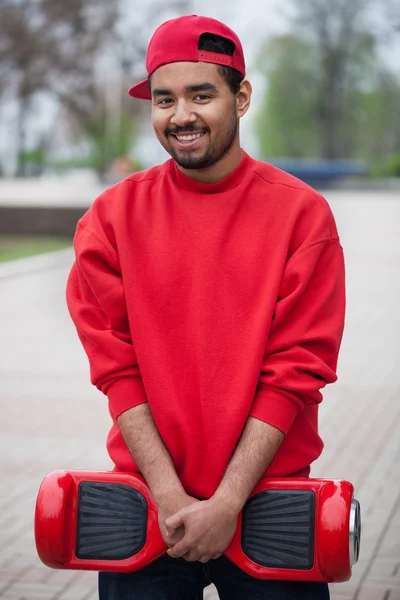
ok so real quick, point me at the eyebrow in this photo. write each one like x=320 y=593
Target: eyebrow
x=198 y=87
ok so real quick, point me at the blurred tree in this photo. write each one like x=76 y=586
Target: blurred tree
x=323 y=79
x=286 y=126
x=137 y=23
x=51 y=46
x=104 y=147
x=378 y=124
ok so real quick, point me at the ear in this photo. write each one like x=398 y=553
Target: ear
x=243 y=98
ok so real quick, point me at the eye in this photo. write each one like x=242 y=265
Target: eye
x=202 y=97
x=164 y=101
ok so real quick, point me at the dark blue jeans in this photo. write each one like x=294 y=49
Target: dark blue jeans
x=176 y=579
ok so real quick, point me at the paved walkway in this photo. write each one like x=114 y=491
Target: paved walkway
x=52 y=418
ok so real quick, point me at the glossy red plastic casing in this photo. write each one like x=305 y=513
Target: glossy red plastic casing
x=56 y=526
x=331 y=541
x=56 y=519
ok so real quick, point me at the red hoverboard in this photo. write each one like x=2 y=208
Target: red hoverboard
x=299 y=529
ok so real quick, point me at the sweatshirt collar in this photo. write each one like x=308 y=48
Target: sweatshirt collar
x=228 y=183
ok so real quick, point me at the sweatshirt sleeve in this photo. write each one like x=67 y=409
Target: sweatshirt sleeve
x=96 y=302
x=302 y=349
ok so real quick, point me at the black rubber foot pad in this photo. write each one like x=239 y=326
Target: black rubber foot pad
x=278 y=529
x=112 y=521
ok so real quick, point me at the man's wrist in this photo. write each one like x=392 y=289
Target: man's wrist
x=150 y=453
x=254 y=453
x=232 y=502
x=165 y=493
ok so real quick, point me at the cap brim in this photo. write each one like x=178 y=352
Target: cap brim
x=140 y=90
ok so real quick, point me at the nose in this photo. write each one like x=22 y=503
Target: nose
x=183 y=114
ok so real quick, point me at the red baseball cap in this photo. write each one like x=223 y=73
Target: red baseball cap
x=177 y=40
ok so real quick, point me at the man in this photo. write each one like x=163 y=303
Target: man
x=208 y=293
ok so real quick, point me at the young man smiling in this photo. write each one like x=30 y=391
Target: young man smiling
x=208 y=293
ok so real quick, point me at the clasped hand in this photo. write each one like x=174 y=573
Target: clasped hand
x=209 y=526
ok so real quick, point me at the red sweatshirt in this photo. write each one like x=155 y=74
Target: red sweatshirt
x=212 y=302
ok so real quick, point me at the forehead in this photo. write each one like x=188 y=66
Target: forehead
x=179 y=75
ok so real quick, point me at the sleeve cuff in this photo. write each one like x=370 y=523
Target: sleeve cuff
x=275 y=408
x=125 y=393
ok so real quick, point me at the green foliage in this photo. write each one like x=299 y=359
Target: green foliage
x=85 y=162
x=341 y=104
x=388 y=167
x=22 y=246
x=378 y=127
x=35 y=156
x=285 y=122
x=32 y=162
x=111 y=135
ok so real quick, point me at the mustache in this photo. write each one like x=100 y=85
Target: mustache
x=187 y=129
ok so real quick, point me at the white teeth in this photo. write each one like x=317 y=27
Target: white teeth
x=188 y=138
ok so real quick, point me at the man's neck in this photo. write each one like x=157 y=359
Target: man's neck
x=219 y=170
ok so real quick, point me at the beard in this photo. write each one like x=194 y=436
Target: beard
x=214 y=151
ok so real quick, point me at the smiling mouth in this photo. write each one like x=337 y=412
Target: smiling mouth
x=188 y=137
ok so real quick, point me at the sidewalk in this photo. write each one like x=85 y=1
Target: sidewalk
x=51 y=416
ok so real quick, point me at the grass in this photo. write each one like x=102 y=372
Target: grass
x=22 y=246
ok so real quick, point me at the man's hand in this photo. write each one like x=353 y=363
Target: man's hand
x=170 y=506
x=209 y=526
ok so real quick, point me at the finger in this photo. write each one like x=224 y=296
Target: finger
x=170 y=531
x=175 y=537
x=191 y=556
x=174 y=521
x=204 y=559
x=216 y=555
x=179 y=549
